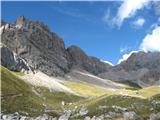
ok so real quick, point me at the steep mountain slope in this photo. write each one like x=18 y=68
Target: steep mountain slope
x=18 y=94
x=45 y=50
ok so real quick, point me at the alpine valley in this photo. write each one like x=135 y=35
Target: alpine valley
x=41 y=79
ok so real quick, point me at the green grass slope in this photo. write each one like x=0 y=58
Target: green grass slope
x=132 y=85
x=143 y=104
x=86 y=89
x=18 y=96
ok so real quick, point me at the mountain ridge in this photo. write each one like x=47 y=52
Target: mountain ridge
x=45 y=51
x=40 y=46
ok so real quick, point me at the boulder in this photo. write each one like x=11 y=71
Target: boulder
x=155 y=116
x=83 y=111
x=129 y=115
x=65 y=116
x=87 y=118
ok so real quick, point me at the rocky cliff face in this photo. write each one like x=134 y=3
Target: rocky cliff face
x=13 y=62
x=150 y=60
x=44 y=50
x=144 y=68
x=34 y=42
x=91 y=64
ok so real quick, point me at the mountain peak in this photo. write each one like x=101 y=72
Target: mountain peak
x=21 y=20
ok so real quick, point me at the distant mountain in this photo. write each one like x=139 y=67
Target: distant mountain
x=140 y=67
x=32 y=43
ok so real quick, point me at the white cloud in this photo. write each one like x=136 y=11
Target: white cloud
x=126 y=56
x=151 y=42
x=129 y=9
x=139 y=22
x=107 y=62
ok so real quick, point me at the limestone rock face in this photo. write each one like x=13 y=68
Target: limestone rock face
x=12 y=62
x=34 y=42
x=45 y=50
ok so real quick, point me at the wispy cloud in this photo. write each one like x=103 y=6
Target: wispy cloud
x=139 y=22
x=71 y=12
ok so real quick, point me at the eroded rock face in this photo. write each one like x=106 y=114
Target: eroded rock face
x=12 y=62
x=45 y=50
x=7 y=58
x=34 y=42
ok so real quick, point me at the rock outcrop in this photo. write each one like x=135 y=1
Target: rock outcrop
x=12 y=62
x=33 y=41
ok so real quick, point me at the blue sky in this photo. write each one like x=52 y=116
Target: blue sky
x=101 y=29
